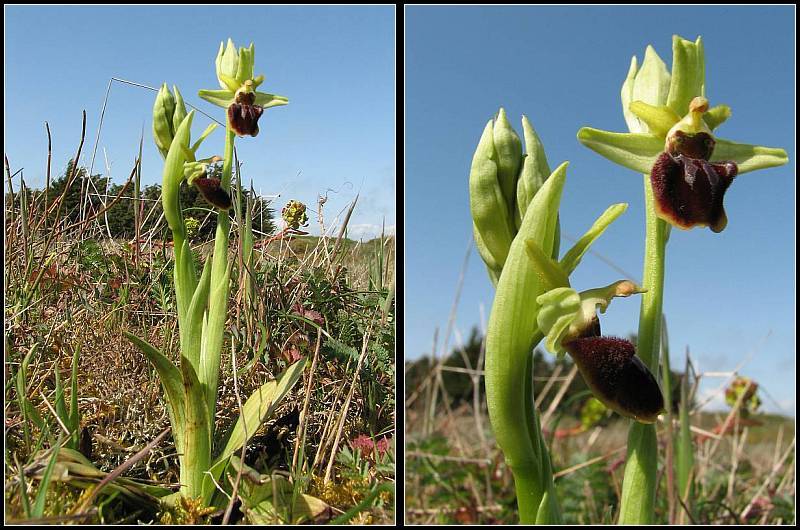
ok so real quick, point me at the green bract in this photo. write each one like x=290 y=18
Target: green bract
x=653 y=101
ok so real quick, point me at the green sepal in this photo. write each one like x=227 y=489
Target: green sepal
x=270 y=100
x=688 y=74
x=508 y=148
x=227 y=61
x=635 y=151
x=534 y=172
x=220 y=98
x=180 y=109
x=163 y=111
x=488 y=207
x=748 y=157
x=246 y=61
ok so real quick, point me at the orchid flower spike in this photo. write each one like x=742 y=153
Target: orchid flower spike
x=671 y=139
x=238 y=96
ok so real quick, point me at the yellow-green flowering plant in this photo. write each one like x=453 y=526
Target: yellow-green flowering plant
x=687 y=169
x=514 y=199
x=202 y=302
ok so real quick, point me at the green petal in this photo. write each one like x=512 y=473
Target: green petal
x=748 y=157
x=221 y=98
x=659 y=119
x=634 y=151
x=560 y=307
x=574 y=255
x=230 y=83
x=270 y=100
x=688 y=75
x=716 y=116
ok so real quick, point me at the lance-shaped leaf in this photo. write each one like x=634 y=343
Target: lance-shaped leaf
x=172 y=177
x=634 y=151
x=255 y=411
x=172 y=381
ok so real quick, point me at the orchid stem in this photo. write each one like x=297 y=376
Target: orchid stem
x=639 y=484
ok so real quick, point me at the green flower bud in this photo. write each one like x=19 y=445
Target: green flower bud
x=168 y=113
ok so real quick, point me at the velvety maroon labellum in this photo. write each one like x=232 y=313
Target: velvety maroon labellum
x=244 y=118
x=211 y=190
x=617 y=377
x=689 y=191
x=700 y=145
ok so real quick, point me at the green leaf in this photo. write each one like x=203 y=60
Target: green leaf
x=260 y=406
x=44 y=484
x=171 y=180
x=748 y=157
x=257 y=409
x=688 y=74
x=574 y=255
x=194 y=318
x=74 y=412
x=634 y=151
x=172 y=381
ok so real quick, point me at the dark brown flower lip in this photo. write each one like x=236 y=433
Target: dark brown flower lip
x=689 y=191
x=211 y=190
x=244 y=117
x=617 y=377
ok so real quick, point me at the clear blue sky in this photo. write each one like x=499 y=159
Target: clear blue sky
x=335 y=64
x=729 y=296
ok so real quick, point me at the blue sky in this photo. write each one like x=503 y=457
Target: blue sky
x=730 y=297
x=335 y=64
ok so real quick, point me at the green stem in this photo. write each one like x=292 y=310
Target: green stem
x=218 y=297
x=639 y=484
